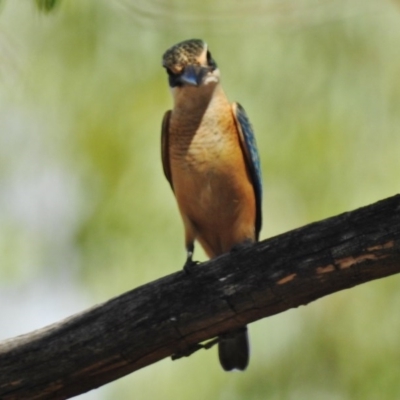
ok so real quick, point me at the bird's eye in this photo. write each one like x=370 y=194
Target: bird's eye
x=173 y=78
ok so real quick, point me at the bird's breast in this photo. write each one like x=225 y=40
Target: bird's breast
x=202 y=135
x=203 y=148
x=207 y=163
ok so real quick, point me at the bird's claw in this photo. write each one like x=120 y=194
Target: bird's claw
x=188 y=267
x=192 y=349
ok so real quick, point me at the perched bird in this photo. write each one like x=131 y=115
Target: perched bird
x=210 y=159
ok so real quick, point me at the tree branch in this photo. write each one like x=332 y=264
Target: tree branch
x=171 y=315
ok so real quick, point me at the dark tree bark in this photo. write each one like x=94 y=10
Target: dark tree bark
x=173 y=314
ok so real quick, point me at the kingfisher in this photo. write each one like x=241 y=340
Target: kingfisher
x=210 y=158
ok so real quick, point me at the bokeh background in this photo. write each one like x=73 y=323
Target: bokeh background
x=85 y=211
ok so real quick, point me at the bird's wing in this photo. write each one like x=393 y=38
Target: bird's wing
x=165 y=147
x=249 y=146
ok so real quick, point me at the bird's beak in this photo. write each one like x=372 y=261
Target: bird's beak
x=192 y=75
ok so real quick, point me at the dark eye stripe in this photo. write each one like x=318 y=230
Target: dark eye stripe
x=211 y=63
x=173 y=80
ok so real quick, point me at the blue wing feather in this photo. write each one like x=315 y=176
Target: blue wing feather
x=165 y=147
x=252 y=158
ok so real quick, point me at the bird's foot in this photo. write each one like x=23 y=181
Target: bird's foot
x=196 y=347
x=189 y=265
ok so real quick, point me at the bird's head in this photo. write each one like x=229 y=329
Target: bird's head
x=190 y=63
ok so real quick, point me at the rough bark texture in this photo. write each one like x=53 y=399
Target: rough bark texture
x=174 y=313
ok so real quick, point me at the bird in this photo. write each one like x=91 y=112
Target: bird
x=210 y=159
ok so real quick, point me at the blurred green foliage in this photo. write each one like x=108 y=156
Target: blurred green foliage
x=46 y=5
x=82 y=99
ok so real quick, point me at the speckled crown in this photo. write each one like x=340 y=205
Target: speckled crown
x=183 y=53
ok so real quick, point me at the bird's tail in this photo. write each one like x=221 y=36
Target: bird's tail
x=234 y=350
